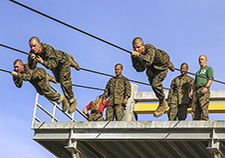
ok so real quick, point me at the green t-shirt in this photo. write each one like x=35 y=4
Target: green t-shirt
x=206 y=71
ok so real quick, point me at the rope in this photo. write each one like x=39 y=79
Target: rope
x=5 y=70
x=63 y=23
x=200 y=76
x=72 y=84
x=85 y=69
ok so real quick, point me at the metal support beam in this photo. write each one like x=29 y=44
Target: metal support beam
x=215 y=147
x=72 y=146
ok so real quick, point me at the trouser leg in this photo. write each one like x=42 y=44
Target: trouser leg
x=110 y=113
x=63 y=75
x=182 y=112
x=156 y=78
x=204 y=104
x=196 y=110
x=119 y=112
x=172 y=113
x=95 y=117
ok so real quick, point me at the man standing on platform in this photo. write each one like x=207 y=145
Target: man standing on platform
x=200 y=92
x=178 y=99
x=157 y=62
x=118 y=89
x=58 y=62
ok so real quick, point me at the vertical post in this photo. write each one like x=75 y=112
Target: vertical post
x=128 y=112
x=53 y=113
x=35 y=109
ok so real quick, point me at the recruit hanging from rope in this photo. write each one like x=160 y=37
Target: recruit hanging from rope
x=76 y=85
x=88 y=34
x=92 y=71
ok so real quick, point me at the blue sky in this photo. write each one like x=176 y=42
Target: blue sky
x=184 y=29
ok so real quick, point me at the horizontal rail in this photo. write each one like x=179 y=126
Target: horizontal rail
x=47 y=112
x=215 y=95
x=150 y=108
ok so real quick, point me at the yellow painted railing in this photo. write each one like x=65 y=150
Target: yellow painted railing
x=214 y=107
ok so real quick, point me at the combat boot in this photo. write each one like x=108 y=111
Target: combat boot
x=72 y=107
x=171 y=66
x=73 y=63
x=161 y=108
x=64 y=104
x=51 y=79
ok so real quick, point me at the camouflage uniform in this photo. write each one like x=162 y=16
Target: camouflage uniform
x=200 y=104
x=117 y=89
x=97 y=115
x=58 y=62
x=38 y=78
x=157 y=62
x=178 y=97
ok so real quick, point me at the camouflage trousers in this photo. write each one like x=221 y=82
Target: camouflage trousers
x=200 y=104
x=155 y=78
x=96 y=117
x=116 y=110
x=43 y=87
x=62 y=74
x=177 y=111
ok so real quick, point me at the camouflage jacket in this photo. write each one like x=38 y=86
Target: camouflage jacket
x=51 y=57
x=29 y=75
x=156 y=57
x=179 y=90
x=117 y=89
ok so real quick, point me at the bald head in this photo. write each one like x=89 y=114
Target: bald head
x=138 y=45
x=202 y=60
x=19 y=61
x=137 y=40
x=34 y=39
x=18 y=66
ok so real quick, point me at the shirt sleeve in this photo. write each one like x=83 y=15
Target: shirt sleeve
x=127 y=92
x=148 y=57
x=171 y=91
x=51 y=58
x=137 y=64
x=89 y=106
x=32 y=63
x=106 y=103
x=210 y=73
x=106 y=92
x=26 y=76
x=191 y=83
x=18 y=81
